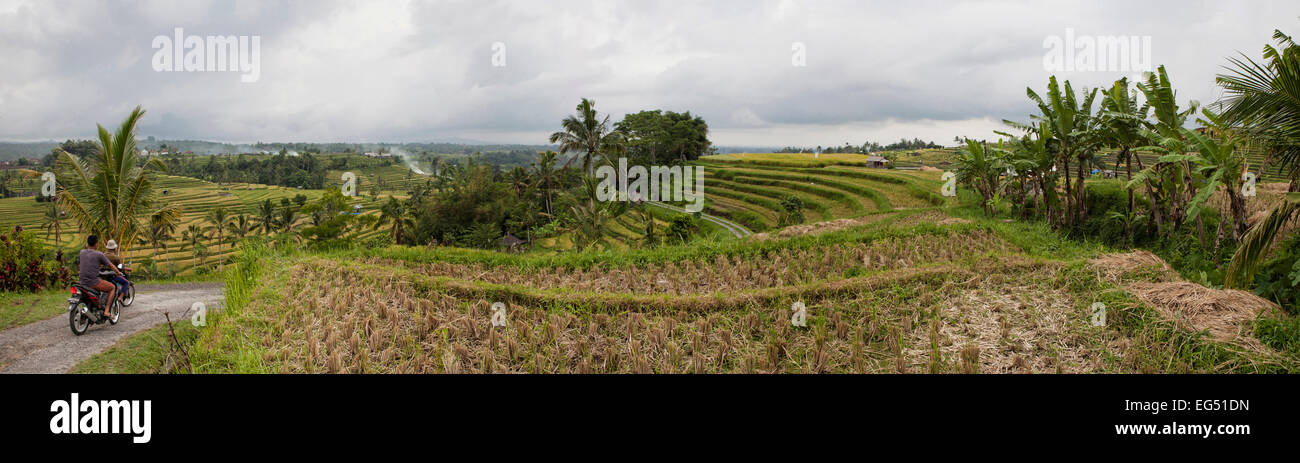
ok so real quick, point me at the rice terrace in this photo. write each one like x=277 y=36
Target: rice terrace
x=498 y=225
x=1113 y=226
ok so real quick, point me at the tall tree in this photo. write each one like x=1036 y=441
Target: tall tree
x=1263 y=100
x=219 y=217
x=111 y=191
x=266 y=217
x=587 y=132
x=1123 y=122
x=194 y=236
x=545 y=172
x=398 y=214
x=53 y=222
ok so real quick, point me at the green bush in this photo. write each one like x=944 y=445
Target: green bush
x=23 y=266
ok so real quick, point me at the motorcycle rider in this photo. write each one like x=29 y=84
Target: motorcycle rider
x=88 y=262
x=111 y=253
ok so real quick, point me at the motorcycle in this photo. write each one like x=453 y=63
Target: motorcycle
x=84 y=308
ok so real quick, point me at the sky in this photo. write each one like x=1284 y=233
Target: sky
x=760 y=72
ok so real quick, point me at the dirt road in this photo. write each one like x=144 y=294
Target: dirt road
x=48 y=346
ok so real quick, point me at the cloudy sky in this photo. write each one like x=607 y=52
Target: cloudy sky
x=372 y=71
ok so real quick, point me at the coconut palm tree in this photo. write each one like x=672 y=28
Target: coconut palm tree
x=399 y=215
x=1263 y=101
x=545 y=172
x=591 y=217
x=219 y=217
x=266 y=217
x=53 y=222
x=588 y=133
x=194 y=236
x=110 y=192
x=241 y=226
x=287 y=218
x=160 y=229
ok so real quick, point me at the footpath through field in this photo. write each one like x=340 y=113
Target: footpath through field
x=736 y=229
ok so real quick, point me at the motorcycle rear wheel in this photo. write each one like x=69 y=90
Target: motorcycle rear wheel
x=78 y=321
x=117 y=314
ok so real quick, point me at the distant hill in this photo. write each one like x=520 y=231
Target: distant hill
x=10 y=151
x=499 y=154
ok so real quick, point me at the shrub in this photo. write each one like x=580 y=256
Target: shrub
x=23 y=266
x=792 y=211
x=683 y=227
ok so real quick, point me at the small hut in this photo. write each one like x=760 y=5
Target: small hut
x=877 y=161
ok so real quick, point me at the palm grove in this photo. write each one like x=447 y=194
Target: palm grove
x=1045 y=168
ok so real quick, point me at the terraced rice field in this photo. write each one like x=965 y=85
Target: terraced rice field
x=197 y=198
x=911 y=292
x=749 y=191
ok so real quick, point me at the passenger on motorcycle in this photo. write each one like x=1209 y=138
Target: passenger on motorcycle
x=119 y=280
x=88 y=262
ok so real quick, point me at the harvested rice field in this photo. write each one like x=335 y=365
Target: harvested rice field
x=903 y=292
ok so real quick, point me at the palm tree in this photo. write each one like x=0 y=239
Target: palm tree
x=266 y=217
x=591 y=217
x=1263 y=101
x=287 y=219
x=194 y=235
x=546 y=174
x=112 y=190
x=160 y=229
x=220 y=220
x=518 y=179
x=399 y=215
x=588 y=133
x=241 y=226
x=53 y=221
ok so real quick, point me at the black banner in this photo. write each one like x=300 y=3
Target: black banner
x=340 y=412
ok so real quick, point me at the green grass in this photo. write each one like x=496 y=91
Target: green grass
x=17 y=309
x=139 y=353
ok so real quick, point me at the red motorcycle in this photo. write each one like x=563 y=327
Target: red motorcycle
x=85 y=307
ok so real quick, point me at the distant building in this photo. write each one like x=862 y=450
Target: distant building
x=372 y=154
x=877 y=161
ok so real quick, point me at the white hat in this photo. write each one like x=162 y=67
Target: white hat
x=111 y=245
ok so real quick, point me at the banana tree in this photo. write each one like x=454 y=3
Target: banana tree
x=1075 y=139
x=1030 y=159
x=981 y=168
x=1122 y=123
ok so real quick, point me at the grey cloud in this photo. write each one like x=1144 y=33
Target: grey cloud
x=389 y=71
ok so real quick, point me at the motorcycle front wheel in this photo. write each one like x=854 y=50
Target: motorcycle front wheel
x=128 y=296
